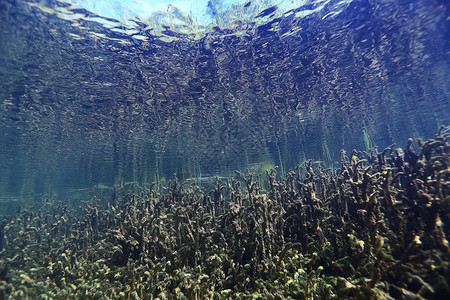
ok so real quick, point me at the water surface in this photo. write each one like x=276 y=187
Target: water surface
x=88 y=99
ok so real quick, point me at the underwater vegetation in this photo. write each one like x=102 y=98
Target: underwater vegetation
x=376 y=228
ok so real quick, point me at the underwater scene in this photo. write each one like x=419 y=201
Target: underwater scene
x=224 y=149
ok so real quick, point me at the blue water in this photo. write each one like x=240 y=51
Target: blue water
x=83 y=104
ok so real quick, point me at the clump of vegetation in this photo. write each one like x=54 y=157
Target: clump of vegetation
x=376 y=228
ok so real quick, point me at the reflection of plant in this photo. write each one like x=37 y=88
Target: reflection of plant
x=376 y=228
x=368 y=144
x=325 y=151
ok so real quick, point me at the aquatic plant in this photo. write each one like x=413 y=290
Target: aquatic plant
x=375 y=228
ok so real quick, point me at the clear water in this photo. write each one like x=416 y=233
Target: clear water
x=88 y=100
